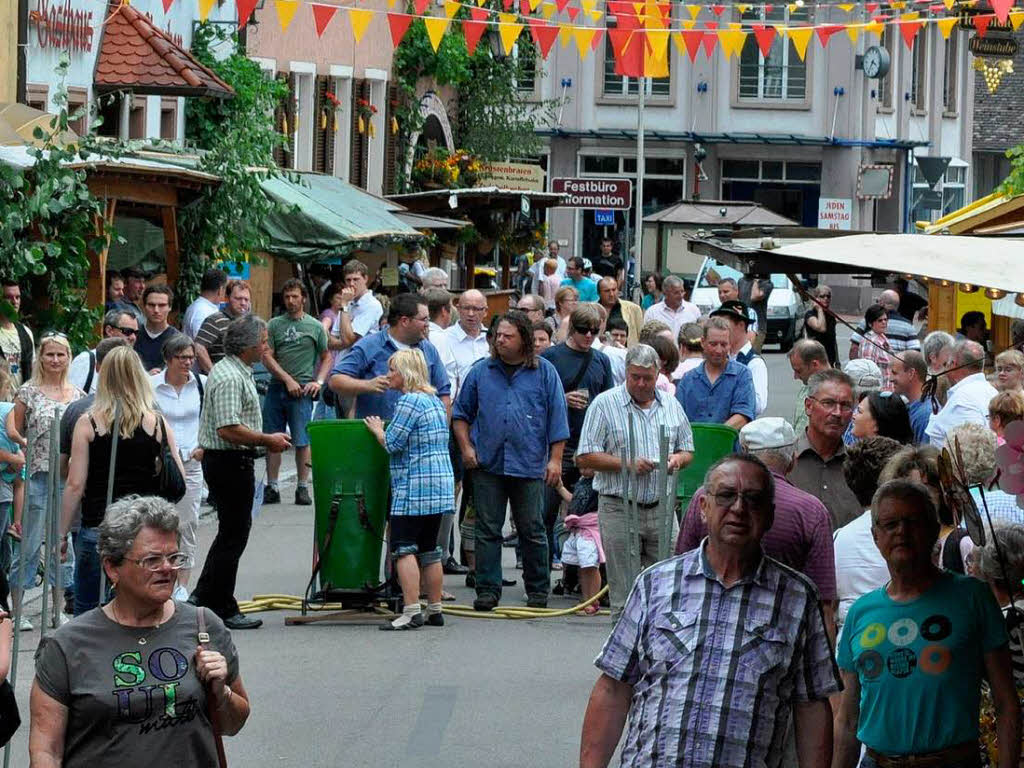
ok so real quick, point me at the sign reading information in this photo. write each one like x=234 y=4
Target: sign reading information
x=613 y=194
x=835 y=213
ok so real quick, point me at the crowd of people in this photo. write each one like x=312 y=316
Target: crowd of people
x=822 y=585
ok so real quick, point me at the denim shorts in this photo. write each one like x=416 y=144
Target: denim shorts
x=416 y=535
x=281 y=409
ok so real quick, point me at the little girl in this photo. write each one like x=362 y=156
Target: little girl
x=583 y=547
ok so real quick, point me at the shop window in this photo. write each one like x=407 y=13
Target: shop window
x=949 y=73
x=619 y=86
x=919 y=72
x=741 y=169
x=781 y=75
x=803 y=172
x=137 y=118
x=524 y=53
x=600 y=164
x=169 y=119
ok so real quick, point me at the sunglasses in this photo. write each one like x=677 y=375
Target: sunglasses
x=53 y=335
x=126 y=331
x=585 y=330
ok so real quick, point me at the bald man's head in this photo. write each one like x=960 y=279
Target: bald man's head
x=890 y=300
x=472 y=308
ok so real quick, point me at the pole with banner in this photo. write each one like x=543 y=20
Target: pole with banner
x=638 y=232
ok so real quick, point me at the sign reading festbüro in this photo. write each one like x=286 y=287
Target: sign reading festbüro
x=615 y=194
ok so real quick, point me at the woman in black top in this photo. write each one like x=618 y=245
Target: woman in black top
x=122 y=380
x=820 y=325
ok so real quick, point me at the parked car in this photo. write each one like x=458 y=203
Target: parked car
x=785 y=307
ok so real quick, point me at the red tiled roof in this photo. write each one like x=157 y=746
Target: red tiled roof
x=137 y=56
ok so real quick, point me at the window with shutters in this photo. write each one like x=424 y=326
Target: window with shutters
x=360 y=144
x=326 y=124
x=390 y=143
x=284 y=119
x=885 y=84
x=782 y=74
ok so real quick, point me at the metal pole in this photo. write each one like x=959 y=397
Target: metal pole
x=51 y=478
x=632 y=508
x=55 y=523
x=19 y=608
x=664 y=510
x=639 y=232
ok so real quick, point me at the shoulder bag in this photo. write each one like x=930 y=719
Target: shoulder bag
x=170 y=482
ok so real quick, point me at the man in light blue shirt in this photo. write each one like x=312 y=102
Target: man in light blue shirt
x=719 y=390
x=585 y=287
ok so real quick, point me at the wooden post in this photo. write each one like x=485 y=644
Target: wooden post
x=96 y=288
x=170 y=223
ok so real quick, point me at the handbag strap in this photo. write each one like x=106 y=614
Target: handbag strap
x=218 y=739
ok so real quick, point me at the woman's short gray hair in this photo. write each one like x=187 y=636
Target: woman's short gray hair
x=643 y=356
x=243 y=332
x=977 y=448
x=1011 y=543
x=175 y=345
x=129 y=515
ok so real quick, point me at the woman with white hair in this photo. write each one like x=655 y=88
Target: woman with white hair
x=39 y=402
x=976 y=446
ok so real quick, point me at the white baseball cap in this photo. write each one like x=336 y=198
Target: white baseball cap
x=768 y=433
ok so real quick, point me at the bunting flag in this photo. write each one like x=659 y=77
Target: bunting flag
x=560 y=5
x=543 y=35
x=322 y=15
x=245 y=9
x=205 y=6
x=742 y=8
x=436 y=27
x=825 y=32
x=360 y=19
x=800 y=37
x=587 y=5
x=909 y=30
x=690 y=39
x=595 y=39
x=847 y=7
x=876 y=28
x=853 y=32
x=694 y=11
x=765 y=36
x=509 y=30
x=870 y=8
x=981 y=23
x=949 y=4
x=731 y=41
x=474 y=28
x=708 y=42
x=946 y=25
x=167 y=5
x=1002 y=9
x=534 y=4
x=1016 y=17
x=573 y=12
x=421 y=6
x=584 y=37
x=286 y=12
x=398 y=23
x=547 y=11
x=717 y=9
x=450 y=8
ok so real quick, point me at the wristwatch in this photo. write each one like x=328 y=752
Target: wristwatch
x=320 y=383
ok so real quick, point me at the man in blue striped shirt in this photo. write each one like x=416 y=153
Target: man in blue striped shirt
x=715 y=648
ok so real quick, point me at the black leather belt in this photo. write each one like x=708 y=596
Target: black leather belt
x=640 y=504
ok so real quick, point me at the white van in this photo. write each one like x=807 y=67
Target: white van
x=785 y=308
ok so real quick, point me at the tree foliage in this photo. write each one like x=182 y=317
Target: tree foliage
x=50 y=224
x=1013 y=184
x=237 y=138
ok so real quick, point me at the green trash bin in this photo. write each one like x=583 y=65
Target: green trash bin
x=710 y=443
x=350 y=491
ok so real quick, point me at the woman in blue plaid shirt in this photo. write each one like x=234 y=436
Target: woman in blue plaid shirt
x=422 y=485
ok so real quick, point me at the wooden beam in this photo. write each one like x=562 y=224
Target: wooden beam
x=170 y=223
x=96 y=288
x=155 y=193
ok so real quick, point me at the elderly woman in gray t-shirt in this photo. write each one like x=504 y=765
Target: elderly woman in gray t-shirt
x=133 y=679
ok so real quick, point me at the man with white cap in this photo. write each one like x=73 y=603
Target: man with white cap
x=801 y=536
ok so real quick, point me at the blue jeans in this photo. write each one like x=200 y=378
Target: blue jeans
x=33 y=527
x=87 y=570
x=491 y=495
x=281 y=409
x=6 y=510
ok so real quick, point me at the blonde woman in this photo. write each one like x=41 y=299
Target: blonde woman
x=422 y=485
x=39 y=402
x=122 y=380
x=567 y=299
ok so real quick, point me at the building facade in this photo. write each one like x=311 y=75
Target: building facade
x=76 y=27
x=997 y=126
x=9 y=51
x=781 y=131
x=332 y=83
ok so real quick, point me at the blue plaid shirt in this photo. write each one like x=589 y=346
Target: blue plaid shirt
x=707 y=403
x=422 y=482
x=715 y=669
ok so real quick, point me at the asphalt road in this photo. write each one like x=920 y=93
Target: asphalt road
x=505 y=693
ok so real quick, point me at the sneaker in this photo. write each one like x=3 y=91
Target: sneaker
x=302 y=496
x=26 y=625
x=62 y=619
x=271 y=495
x=486 y=601
x=414 y=623
x=536 y=601
x=434 y=620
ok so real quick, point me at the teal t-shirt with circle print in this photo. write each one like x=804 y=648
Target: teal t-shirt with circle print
x=920 y=663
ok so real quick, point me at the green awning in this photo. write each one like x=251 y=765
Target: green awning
x=323 y=217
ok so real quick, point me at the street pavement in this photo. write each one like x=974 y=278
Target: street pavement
x=502 y=692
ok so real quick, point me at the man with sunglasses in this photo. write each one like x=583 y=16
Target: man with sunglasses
x=820 y=451
x=85 y=368
x=716 y=647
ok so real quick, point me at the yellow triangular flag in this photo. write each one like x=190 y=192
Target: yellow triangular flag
x=853 y=32
x=286 y=12
x=204 y=9
x=689 y=24
x=945 y=25
x=596 y=15
x=693 y=10
x=534 y=4
x=914 y=16
x=949 y=4
x=360 y=19
x=792 y=7
x=391 y=3
x=584 y=36
x=588 y=5
x=800 y=36
x=735 y=25
x=564 y=35
x=658 y=38
x=509 y=31
x=547 y=10
x=639 y=8
x=451 y=8
x=677 y=40
x=875 y=28
x=847 y=7
x=742 y=8
x=898 y=5
x=732 y=42
x=436 y=27
x=1016 y=17
x=480 y=2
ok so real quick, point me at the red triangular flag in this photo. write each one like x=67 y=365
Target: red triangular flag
x=479 y=14
x=936 y=8
x=826 y=32
x=711 y=25
x=560 y=5
x=167 y=5
x=764 y=36
x=474 y=30
x=981 y=23
x=717 y=9
x=1002 y=9
x=909 y=30
x=870 y=8
x=245 y=9
x=507 y=4
x=399 y=23
x=709 y=41
x=322 y=15
x=421 y=6
x=628 y=53
x=573 y=12
x=691 y=41
x=596 y=39
x=544 y=35
x=625 y=14
x=768 y=9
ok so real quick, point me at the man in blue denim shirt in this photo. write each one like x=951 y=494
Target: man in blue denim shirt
x=511 y=422
x=363 y=371
x=719 y=390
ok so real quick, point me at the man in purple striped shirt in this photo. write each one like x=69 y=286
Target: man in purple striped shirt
x=801 y=536
x=715 y=648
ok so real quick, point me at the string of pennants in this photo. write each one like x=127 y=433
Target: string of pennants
x=642 y=30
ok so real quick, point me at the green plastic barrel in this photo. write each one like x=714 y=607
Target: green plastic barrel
x=710 y=443
x=350 y=473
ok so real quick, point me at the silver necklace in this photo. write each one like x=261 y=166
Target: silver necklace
x=149 y=630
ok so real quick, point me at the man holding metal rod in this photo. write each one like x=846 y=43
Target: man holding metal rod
x=634 y=437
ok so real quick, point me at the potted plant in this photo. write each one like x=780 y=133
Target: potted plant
x=364 y=114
